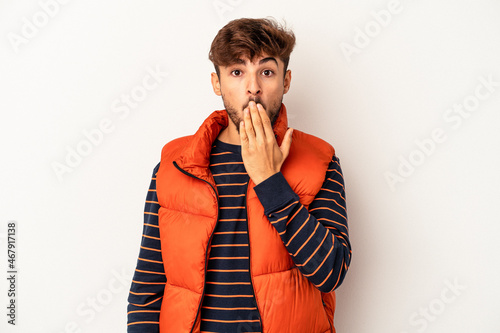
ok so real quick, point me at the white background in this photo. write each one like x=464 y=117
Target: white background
x=425 y=249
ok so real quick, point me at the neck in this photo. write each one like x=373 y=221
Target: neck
x=230 y=135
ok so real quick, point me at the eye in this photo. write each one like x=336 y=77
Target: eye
x=236 y=72
x=267 y=72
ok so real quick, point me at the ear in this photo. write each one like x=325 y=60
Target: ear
x=286 y=81
x=216 y=84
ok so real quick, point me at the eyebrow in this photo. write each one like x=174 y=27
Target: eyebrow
x=262 y=61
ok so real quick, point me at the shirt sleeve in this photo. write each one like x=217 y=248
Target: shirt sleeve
x=148 y=283
x=316 y=238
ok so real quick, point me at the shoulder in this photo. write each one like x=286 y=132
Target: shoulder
x=307 y=163
x=174 y=148
x=309 y=146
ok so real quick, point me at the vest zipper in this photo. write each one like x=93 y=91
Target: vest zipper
x=209 y=240
x=324 y=308
x=249 y=262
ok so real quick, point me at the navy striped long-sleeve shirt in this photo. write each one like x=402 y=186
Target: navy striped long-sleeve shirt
x=316 y=238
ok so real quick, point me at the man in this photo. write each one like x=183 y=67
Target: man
x=245 y=221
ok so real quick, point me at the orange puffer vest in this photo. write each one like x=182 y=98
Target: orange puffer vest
x=286 y=300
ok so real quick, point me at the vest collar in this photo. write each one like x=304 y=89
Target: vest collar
x=195 y=158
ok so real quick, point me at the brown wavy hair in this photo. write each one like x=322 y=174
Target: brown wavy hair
x=251 y=38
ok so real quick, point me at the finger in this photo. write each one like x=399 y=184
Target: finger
x=243 y=136
x=257 y=122
x=248 y=126
x=266 y=122
x=286 y=144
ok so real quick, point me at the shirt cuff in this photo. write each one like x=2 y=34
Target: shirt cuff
x=274 y=193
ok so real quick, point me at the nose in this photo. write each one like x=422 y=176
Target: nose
x=253 y=85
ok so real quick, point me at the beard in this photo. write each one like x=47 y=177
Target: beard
x=234 y=113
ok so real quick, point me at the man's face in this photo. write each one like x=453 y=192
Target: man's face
x=262 y=81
